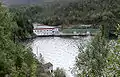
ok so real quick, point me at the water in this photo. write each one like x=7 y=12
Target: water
x=61 y=52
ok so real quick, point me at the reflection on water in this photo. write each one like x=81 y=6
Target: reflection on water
x=61 y=52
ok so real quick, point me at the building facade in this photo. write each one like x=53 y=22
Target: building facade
x=40 y=29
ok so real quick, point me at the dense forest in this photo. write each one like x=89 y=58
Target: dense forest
x=96 y=12
x=100 y=59
x=16 y=60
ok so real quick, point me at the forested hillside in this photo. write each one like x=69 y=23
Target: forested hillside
x=19 y=2
x=28 y=2
x=101 y=58
x=81 y=11
x=97 y=12
x=15 y=59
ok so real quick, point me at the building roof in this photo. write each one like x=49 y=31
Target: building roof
x=45 y=26
x=47 y=65
x=86 y=25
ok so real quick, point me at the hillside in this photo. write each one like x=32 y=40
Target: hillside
x=27 y=2
x=19 y=2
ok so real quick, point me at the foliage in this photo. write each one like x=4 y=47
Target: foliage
x=113 y=60
x=96 y=61
x=92 y=61
x=15 y=59
x=24 y=26
x=98 y=12
x=59 y=73
x=100 y=58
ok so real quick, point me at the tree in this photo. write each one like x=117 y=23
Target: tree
x=24 y=27
x=15 y=59
x=59 y=73
x=113 y=60
x=5 y=42
x=93 y=60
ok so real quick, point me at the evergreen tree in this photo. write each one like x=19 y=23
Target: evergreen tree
x=93 y=60
x=15 y=59
x=59 y=73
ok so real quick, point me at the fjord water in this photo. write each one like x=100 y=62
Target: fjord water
x=61 y=52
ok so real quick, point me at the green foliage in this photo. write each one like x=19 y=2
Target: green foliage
x=24 y=25
x=113 y=60
x=96 y=61
x=59 y=73
x=101 y=13
x=101 y=58
x=104 y=13
x=15 y=59
x=92 y=61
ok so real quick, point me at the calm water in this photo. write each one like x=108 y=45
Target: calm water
x=61 y=52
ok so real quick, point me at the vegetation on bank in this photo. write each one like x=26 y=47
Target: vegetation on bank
x=59 y=73
x=101 y=58
x=96 y=12
x=15 y=59
x=92 y=61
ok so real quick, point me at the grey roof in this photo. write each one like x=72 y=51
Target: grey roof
x=47 y=65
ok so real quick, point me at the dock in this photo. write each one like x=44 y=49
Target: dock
x=67 y=35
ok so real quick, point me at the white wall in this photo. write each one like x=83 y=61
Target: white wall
x=46 y=32
x=35 y=25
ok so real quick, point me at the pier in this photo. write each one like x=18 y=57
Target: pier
x=67 y=35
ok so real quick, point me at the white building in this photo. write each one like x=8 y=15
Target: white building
x=40 y=29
